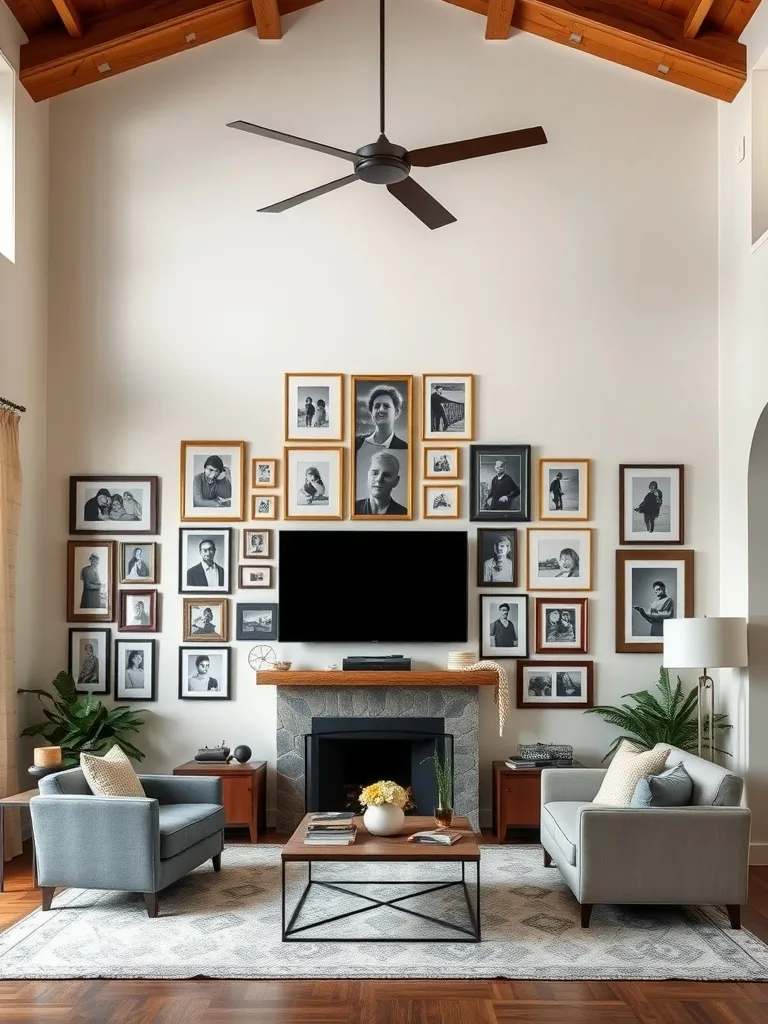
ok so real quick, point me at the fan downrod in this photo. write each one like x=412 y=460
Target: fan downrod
x=382 y=162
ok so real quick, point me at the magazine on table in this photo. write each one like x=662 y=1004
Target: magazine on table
x=435 y=837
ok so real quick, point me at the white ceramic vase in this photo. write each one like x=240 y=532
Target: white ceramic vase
x=383 y=819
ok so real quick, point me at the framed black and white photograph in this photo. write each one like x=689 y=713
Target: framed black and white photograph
x=88 y=664
x=382 y=426
x=139 y=563
x=564 y=489
x=255 y=577
x=559 y=559
x=314 y=407
x=496 y=557
x=257 y=543
x=135 y=670
x=212 y=484
x=113 y=504
x=652 y=504
x=441 y=501
x=447 y=406
x=503 y=626
x=441 y=463
x=500 y=483
x=263 y=473
x=91 y=578
x=651 y=587
x=205 y=560
x=561 y=625
x=204 y=673
x=206 y=619
x=562 y=684
x=137 y=611
x=256 y=622
x=314 y=483
x=263 y=506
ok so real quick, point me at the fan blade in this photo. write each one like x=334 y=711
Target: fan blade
x=313 y=193
x=451 y=152
x=294 y=140
x=421 y=203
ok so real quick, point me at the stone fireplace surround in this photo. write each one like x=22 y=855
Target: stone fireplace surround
x=296 y=707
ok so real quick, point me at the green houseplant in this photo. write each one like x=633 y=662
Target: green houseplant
x=80 y=723
x=444 y=781
x=667 y=717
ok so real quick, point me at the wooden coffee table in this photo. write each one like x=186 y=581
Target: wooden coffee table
x=368 y=848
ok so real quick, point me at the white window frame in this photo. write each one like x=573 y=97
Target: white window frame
x=7 y=159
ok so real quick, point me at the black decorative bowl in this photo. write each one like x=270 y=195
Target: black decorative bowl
x=40 y=771
x=242 y=754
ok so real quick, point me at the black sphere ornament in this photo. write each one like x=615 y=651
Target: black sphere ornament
x=243 y=754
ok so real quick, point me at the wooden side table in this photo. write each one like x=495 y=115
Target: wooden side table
x=17 y=800
x=244 y=788
x=517 y=797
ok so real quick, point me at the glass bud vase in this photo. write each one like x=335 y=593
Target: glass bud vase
x=443 y=816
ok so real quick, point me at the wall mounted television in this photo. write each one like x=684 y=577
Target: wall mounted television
x=356 y=586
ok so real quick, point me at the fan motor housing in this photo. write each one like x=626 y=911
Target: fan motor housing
x=382 y=163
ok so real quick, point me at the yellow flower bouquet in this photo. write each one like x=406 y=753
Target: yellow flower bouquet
x=379 y=793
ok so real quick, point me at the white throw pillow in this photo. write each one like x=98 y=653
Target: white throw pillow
x=629 y=765
x=111 y=775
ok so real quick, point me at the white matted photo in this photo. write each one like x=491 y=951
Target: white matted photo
x=441 y=463
x=135 y=670
x=263 y=473
x=314 y=483
x=204 y=560
x=559 y=559
x=204 y=673
x=205 y=619
x=441 y=501
x=651 y=587
x=561 y=625
x=113 y=504
x=447 y=405
x=503 y=626
x=256 y=577
x=139 y=563
x=563 y=489
x=382 y=419
x=652 y=504
x=212 y=480
x=263 y=506
x=314 y=407
x=566 y=684
x=89 y=653
x=257 y=543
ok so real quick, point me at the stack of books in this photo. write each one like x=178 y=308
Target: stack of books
x=541 y=762
x=436 y=837
x=330 y=828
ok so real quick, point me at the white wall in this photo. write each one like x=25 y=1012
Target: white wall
x=579 y=284
x=23 y=339
x=743 y=396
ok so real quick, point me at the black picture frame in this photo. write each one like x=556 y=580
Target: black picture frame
x=149 y=524
x=202 y=531
x=486 y=540
x=107 y=642
x=519 y=452
x=255 y=635
x=200 y=651
x=136 y=642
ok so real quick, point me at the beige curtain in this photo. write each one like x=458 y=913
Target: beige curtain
x=10 y=514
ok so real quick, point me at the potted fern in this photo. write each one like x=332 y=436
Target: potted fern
x=667 y=717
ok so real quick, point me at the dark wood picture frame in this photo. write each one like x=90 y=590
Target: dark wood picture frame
x=241 y=607
x=684 y=555
x=653 y=539
x=243 y=583
x=108 y=615
x=270 y=543
x=554 y=703
x=540 y=643
x=510 y=532
x=149 y=596
x=132 y=698
x=226 y=653
x=479 y=515
x=116 y=525
x=107 y=640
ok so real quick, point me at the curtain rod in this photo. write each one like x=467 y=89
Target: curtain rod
x=13 y=405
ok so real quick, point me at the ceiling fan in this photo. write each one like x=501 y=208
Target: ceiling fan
x=384 y=163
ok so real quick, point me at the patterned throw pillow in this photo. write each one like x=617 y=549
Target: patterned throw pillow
x=629 y=765
x=111 y=775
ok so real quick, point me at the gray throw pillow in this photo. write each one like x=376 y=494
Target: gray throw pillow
x=670 y=788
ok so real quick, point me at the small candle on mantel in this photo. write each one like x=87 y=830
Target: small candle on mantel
x=46 y=756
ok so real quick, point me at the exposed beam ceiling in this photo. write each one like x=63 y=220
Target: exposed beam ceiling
x=70 y=16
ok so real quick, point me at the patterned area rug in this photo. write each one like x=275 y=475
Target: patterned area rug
x=228 y=925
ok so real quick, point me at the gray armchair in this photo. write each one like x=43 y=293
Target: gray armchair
x=698 y=854
x=133 y=844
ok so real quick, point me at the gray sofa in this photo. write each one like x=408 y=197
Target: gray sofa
x=698 y=854
x=134 y=844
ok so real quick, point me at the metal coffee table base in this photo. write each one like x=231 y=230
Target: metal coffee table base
x=293 y=932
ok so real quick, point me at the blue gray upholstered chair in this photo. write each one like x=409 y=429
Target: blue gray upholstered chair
x=696 y=855
x=134 y=844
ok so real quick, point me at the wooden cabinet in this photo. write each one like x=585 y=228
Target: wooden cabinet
x=516 y=798
x=244 y=791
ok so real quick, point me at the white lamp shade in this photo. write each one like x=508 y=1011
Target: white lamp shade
x=705 y=643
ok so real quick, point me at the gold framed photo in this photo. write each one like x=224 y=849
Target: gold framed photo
x=257 y=543
x=212 y=481
x=381 y=479
x=263 y=473
x=314 y=407
x=255 y=577
x=314 y=483
x=139 y=562
x=564 y=489
x=440 y=501
x=441 y=463
x=206 y=619
x=91 y=576
x=559 y=559
x=447 y=406
x=263 y=506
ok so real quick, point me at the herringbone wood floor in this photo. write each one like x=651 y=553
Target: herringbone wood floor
x=377 y=1002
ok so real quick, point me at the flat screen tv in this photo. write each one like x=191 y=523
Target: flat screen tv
x=353 y=586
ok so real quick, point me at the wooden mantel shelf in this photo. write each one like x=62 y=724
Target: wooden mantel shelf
x=270 y=677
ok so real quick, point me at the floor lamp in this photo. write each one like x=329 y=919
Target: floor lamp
x=711 y=642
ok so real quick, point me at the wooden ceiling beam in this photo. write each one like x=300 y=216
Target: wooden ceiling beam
x=70 y=16
x=695 y=17
x=499 y=20
x=267 y=16
x=638 y=36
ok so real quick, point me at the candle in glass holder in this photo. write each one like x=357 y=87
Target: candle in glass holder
x=46 y=756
